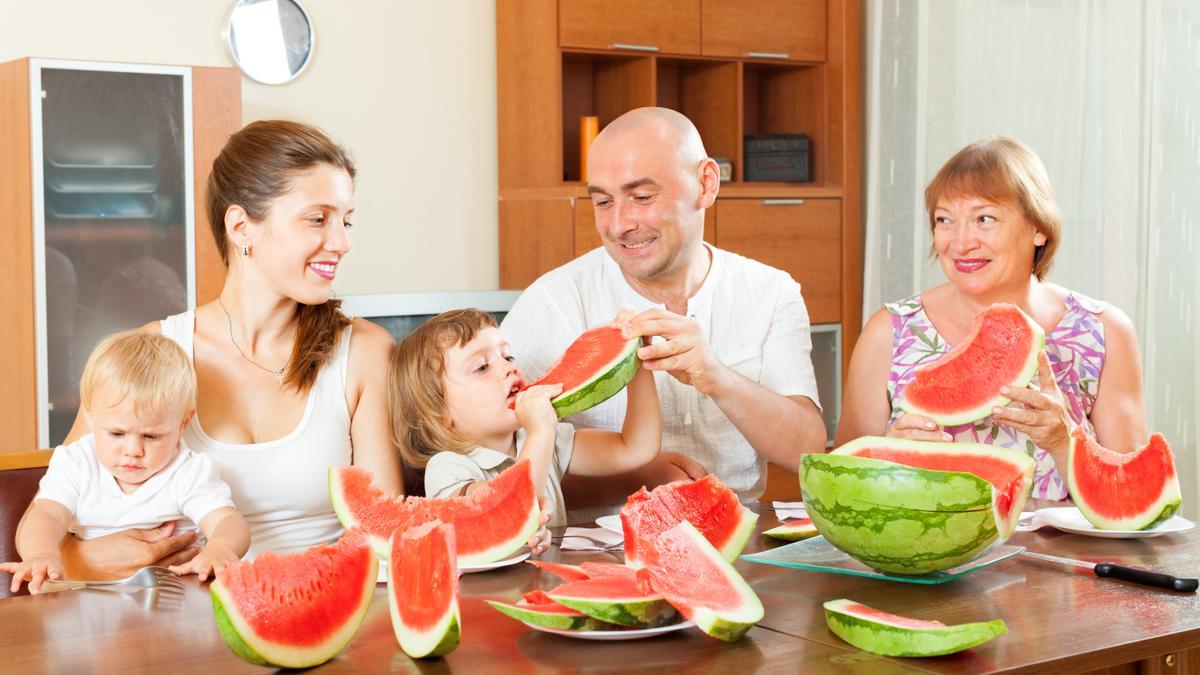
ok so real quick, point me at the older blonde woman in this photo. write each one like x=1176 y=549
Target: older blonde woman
x=995 y=229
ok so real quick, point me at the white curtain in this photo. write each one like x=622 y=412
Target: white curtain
x=1108 y=95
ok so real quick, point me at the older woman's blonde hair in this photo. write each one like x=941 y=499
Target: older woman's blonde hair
x=149 y=370
x=1002 y=169
x=421 y=425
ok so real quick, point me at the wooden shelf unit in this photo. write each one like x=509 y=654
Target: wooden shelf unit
x=734 y=67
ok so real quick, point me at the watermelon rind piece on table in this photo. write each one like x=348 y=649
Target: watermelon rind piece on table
x=887 y=634
x=538 y=609
x=912 y=507
x=963 y=385
x=423 y=590
x=490 y=524
x=615 y=599
x=796 y=529
x=295 y=610
x=1123 y=491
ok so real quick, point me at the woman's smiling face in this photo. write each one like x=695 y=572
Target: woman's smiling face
x=984 y=245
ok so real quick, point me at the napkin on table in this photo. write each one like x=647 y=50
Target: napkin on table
x=788 y=510
x=591 y=539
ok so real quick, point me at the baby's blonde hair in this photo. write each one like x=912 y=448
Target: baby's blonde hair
x=421 y=425
x=150 y=370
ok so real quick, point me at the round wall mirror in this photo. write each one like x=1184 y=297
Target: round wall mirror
x=270 y=40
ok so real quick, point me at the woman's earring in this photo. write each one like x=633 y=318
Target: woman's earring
x=245 y=249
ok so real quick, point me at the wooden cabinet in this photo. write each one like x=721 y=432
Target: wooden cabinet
x=799 y=236
x=669 y=26
x=556 y=63
x=775 y=29
x=105 y=166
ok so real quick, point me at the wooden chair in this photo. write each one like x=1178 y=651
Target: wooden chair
x=20 y=473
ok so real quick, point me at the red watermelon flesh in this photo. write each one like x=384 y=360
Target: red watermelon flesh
x=560 y=570
x=1009 y=471
x=706 y=503
x=543 y=603
x=295 y=610
x=491 y=523
x=423 y=589
x=597 y=365
x=891 y=619
x=1123 y=491
x=964 y=384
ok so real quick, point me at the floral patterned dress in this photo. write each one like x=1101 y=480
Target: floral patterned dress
x=1076 y=352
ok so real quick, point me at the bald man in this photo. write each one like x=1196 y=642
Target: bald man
x=730 y=344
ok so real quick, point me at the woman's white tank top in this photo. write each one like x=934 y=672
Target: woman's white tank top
x=281 y=487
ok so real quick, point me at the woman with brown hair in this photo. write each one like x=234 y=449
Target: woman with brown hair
x=287 y=384
x=995 y=228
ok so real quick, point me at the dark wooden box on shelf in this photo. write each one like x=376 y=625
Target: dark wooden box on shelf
x=734 y=67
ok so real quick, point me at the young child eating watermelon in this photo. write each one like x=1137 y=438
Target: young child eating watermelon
x=133 y=470
x=462 y=412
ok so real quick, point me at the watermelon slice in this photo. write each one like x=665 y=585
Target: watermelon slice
x=964 y=384
x=705 y=503
x=490 y=524
x=538 y=609
x=561 y=570
x=891 y=635
x=911 y=507
x=698 y=581
x=615 y=598
x=596 y=366
x=423 y=590
x=295 y=610
x=1123 y=491
x=795 y=529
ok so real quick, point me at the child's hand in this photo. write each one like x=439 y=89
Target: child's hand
x=35 y=571
x=539 y=543
x=534 y=410
x=207 y=563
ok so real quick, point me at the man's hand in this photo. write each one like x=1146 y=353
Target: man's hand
x=683 y=351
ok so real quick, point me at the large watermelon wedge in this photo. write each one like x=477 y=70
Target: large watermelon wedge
x=964 y=384
x=694 y=577
x=295 y=610
x=423 y=590
x=596 y=366
x=706 y=503
x=490 y=524
x=1123 y=491
x=892 y=635
x=920 y=507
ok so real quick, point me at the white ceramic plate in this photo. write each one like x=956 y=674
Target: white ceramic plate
x=1069 y=519
x=631 y=634
x=382 y=576
x=611 y=523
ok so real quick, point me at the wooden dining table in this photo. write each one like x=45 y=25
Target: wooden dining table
x=1058 y=622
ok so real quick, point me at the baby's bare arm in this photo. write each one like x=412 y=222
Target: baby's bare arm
x=38 y=537
x=228 y=540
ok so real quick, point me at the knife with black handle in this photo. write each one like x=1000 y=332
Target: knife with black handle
x=1133 y=574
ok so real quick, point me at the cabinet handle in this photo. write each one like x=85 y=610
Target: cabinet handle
x=636 y=48
x=766 y=55
x=782 y=202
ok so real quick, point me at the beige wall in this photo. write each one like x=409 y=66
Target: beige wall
x=409 y=86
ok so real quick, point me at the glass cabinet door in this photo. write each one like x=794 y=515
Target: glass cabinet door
x=113 y=234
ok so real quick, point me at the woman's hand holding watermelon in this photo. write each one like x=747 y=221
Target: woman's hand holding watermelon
x=917 y=428
x=1043 y=413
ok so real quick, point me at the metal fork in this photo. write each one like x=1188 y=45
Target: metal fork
x=157 y=578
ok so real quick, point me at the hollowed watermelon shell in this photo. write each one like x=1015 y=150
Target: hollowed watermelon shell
x=295 y=610
x=892 y=635
x=964 y=384
x=698 y=581
x=596 y=366
x=490 y=524
x=1123 y=491
x=423 y=590
x=706 y=503
x=920 y=507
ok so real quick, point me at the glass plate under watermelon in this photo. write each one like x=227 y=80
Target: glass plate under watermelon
x=819 y=555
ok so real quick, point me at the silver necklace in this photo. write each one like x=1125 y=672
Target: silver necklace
x=229 y=320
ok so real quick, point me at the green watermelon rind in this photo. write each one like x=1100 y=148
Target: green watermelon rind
x=884 y=639
x=727 y=625
x=792 y=532
x=880 y=512
x=440 y=640
x=555 y=620
x=241 y=640
x=605 y=384
x=1024 y=377
x=1169 y=501
x=637 y=612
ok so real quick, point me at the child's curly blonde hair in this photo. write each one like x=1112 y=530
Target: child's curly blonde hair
x=421 y=425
